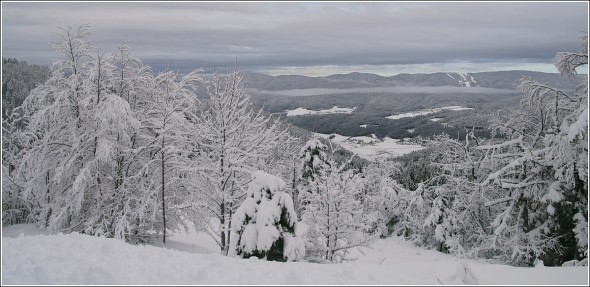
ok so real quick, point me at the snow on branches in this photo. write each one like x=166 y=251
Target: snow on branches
x=264 y=224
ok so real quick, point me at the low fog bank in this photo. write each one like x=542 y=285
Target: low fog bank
x=326 y=91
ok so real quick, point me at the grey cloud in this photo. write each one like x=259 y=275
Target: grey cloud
x=305 y=34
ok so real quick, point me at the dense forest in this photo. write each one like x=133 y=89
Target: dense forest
x=373 y=108
x=18 y=79
x=103 y=146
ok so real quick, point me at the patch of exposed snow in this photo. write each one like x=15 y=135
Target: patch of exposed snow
x=334 y=110
x=436 y=119
x=412 y=114
x=371 y=148
x=427 y=112
x=457 y=108
x=465 y=81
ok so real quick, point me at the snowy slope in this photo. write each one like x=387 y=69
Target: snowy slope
x=82 y=259
x=334 y=110
x=371 y=148
x=426 y=112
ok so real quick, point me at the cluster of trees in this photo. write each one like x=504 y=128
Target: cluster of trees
x=106 y=147
x=18 y=79
x=517 y=197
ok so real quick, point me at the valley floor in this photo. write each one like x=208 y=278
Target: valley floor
x=33 y=257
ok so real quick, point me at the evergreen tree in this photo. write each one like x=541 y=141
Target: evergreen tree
x=264 y=224
x=19 y=78
x=313 y=165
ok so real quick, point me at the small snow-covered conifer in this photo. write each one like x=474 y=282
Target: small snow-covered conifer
x=314 y=164
x=264 y=224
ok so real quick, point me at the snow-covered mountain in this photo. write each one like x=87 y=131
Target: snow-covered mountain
x=308 y=102
x=498 y=79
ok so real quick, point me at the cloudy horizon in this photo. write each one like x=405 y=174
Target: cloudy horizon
x=310 y=38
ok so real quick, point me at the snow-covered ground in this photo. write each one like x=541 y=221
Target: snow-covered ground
x=364 y=126
x=464 y=82
x=372 y=148
x=427 y=112
x=32 y=257
x=334 y=110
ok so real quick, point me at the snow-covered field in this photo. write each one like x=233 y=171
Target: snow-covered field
x=427 y=112
x=33 y=257
x=334 y=110
x=372 y=148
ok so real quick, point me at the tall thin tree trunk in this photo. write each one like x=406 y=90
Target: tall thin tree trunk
x=329 y=235
x=295 y=192
x=222 y=206
x=229 y=218
x=228 y=233
x=163 y=193
x=222 y=218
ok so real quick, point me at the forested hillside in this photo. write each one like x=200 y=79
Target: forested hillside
x=18 y=79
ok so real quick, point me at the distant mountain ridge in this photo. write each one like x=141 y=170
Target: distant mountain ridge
x=499 y=79
x=374 y=98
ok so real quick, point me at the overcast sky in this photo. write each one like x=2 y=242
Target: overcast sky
x=310 y=38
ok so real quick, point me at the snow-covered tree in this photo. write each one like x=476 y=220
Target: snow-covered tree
x=167 y=135
x=544 y=167
x=401 y=211
x=380 y=195
x=79 y=136
x=134 y=201
x=457 y=213
x=334 y=214
x=87 y=160
x=15 y=208
x=59 y=124
x=313 y=165
x=235 y=140
x=264 y=224
x=413 y=210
